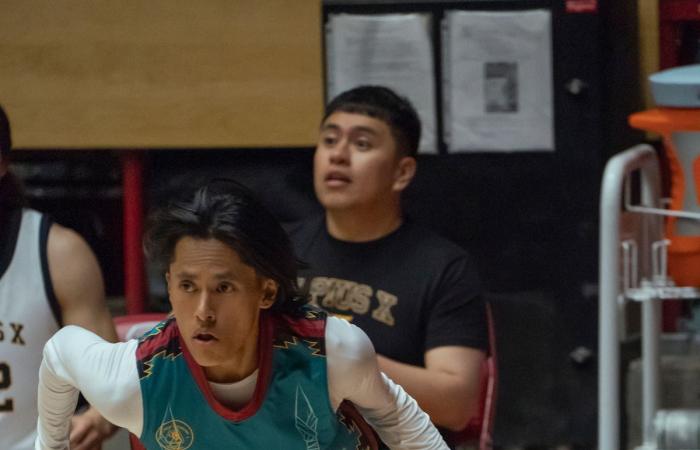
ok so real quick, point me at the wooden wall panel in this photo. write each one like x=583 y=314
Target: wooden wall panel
x=648 y=45
x=161 y=73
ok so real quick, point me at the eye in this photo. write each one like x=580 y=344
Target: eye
x=187 y=286
x=363 y=144
x=225 y=288
x=329 y=140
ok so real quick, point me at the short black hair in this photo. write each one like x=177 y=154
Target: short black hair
x=5 y=134
x=229 y=212
x=386 y=105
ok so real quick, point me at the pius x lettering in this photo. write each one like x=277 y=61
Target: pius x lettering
x=11 y=332
x=338 y=295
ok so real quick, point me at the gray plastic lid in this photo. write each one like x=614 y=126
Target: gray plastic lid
x=677 y=87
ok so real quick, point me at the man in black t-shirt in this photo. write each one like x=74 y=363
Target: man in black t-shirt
x=415 y=294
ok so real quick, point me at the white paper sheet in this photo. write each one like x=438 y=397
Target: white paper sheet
x=394 y=50
x=497 y=81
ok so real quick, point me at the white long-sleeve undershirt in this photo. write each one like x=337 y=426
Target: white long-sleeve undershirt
x=76 y=360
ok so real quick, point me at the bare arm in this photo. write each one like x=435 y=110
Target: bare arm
x=79 y=287
x=447 y=388
x=77 y=282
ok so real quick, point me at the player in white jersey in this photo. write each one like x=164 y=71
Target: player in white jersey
x=48 y=277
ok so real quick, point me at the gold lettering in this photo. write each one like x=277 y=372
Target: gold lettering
x=337 y=295
x=318 y=289
x=383 y=312
x=359 y=298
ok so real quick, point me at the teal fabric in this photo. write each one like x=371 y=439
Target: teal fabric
x=295 y=412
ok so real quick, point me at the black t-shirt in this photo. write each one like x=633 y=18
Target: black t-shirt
x=410 y=291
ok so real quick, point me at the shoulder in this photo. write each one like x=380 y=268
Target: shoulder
x=425 y=237
x=75 y=347
x=351 y=361
x=346 y=342
x=65 y=245
x=426 y=244
x=64 y=242
x=307 y=321
x=27 y=220
x=451 y=266
x=99 y=368
x=73 y=336
x=76 y=280
x=305 y=229
x=163 y=337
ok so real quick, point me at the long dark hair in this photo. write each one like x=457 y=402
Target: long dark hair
x=5 y=134
x=229 y=212
x=11 y=192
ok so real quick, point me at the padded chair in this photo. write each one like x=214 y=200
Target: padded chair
x=130 y=327
x=479 y=431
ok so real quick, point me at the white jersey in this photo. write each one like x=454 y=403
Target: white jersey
x=77 y=359
x=26 y=324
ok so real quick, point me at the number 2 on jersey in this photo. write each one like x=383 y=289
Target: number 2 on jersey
x=5 y=382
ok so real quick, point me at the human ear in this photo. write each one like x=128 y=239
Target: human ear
x=405 y=171
x=269 y=289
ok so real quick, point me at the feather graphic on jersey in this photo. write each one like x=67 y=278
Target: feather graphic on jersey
x=305 y=420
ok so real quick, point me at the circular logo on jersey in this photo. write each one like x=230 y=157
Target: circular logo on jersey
x=174 y=435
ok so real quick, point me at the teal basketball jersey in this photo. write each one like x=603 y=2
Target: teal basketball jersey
x=290 y=408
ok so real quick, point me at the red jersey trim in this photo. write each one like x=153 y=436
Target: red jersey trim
x=312 y=325
x=265 y=364
x=158 y=340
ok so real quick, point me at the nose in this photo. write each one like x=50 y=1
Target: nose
x=340 y=153
x=205 y=311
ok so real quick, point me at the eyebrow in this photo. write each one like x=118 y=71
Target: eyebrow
x=218 y=276
x=360 y=128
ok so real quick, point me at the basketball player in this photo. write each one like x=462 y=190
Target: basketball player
x=48 y=277
x=243 y=362
x=414 y=293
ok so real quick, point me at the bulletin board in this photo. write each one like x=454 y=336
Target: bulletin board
x=479 y=73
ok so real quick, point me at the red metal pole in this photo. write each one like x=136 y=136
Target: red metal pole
x=134 y=273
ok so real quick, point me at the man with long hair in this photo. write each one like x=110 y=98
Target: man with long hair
x=243 y=362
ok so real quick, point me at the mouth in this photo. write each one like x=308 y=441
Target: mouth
x=336 y=179
x=204 y=337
